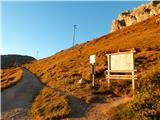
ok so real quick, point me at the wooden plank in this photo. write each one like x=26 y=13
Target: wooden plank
x=121 y=76
x=121 y=71
x=125 y=78
x=121 y=53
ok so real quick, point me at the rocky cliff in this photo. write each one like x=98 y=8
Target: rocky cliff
x=138 y=14
x=14 y=60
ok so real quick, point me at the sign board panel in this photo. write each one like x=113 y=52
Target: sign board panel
x=122 y=61
x=92 y=59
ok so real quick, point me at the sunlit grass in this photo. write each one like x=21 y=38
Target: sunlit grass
x=64 y=69
x=146 y=104
x=49 y=105
x=10 y=77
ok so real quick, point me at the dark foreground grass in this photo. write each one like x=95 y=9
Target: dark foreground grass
x=146 y=104
x=49 y=105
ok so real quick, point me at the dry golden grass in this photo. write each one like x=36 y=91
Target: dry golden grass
x=49 y=105
x=10 y=77
x=65 y=68
x=146 y=104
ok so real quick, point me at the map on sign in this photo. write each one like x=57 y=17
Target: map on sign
x=122 y=61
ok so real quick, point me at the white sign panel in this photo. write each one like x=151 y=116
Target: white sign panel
x=92 y=59
x=122 y=61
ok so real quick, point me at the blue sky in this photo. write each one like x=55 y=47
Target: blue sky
x=47 y=27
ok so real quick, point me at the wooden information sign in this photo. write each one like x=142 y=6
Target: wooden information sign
x=122 y=62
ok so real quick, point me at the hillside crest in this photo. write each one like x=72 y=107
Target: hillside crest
x=14 y=60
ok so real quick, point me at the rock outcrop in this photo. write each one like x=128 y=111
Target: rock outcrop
x=14 y=60
x=136 y=15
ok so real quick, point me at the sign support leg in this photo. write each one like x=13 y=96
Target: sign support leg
x=108 y=72
x=92 y=69
x=108 y=84
x=133 y=82
x=93 y=81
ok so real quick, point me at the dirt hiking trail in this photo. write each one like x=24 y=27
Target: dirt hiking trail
x=100 y=110
x=16 y=101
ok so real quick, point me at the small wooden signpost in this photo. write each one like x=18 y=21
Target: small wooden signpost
x=121 y=66
x=92 y=68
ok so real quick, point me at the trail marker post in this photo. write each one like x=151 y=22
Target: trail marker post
x=92 y=68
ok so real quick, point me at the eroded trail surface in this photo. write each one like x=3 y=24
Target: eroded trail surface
x=78 y=107
x=16 y=100
x=101 y=109
x=104 y=109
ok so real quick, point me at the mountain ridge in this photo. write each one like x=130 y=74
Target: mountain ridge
x=138 y=14
x=12 y=60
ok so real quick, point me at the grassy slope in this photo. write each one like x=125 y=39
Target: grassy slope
x=65 y=68
x=68 y=65
x=49 y=105
x=10 y=77
x=146 y=104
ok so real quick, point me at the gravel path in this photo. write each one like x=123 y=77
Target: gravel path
x=100 y=110
x=78 y=107
x=103 y=110
x=16 y=100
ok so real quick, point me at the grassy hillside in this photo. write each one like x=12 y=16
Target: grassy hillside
x=146 y=104
x=49 y=105
x=64 y=69
x=10 y=77
x=68 y=65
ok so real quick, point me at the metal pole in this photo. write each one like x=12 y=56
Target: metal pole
x=37 y=54
x=74 y=32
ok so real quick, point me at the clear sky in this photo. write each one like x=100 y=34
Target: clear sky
x=47 y=27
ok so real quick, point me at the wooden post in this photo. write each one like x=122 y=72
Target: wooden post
x=133 y=80
x=93 y=81
x=108 y=72
x=92 y=72
x=92 y=69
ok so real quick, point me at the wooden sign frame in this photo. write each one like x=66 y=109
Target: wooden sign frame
x=130 y=72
